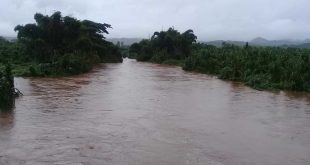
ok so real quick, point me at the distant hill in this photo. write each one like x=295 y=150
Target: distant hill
x=259 y=41
x=264 y=42
x=11 y=39
x=305 y=45
x=218 y=43
x=126 y=41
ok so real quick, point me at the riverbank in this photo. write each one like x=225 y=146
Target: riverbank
x=270 y=68
x=45 y=70
x=262 y=68
x=258 y=81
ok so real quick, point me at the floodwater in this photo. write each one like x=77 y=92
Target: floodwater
x=147 y=114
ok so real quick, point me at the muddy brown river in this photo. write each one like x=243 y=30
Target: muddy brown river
x=147 y=114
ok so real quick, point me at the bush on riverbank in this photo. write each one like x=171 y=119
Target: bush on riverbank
x=7 y=91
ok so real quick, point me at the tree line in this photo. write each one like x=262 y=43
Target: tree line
x=56 y=45
x=164 y=45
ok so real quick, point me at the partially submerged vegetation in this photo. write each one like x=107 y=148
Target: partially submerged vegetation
x=258 y=67
x=7 y=90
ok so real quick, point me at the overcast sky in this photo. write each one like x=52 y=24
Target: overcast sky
x=210 y=19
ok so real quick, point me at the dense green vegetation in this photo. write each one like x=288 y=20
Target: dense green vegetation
x=57 y=45
x=7 y=91
x=258 y=67
x=14 y=53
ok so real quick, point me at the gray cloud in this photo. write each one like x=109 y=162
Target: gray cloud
x=210 y=19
